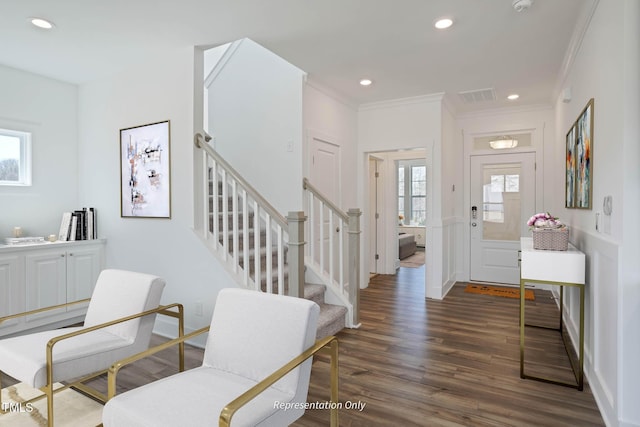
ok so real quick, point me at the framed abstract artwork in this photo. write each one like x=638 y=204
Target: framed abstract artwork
x=570 y=178
x=584 y=157
x=579 y=161
x=145 y=179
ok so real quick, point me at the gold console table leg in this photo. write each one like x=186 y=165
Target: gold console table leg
x=578 y=370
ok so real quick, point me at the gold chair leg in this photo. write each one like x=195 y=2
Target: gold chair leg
x=181 y=334
x=334 y=383
x=48 y=389
x=2 y=410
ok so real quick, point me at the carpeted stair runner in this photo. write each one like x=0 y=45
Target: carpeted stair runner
x=332 y=317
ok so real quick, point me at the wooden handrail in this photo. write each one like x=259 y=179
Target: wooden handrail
x=339 y=212
x=264 y=204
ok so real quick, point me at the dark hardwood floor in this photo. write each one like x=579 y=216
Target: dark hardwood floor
x=449 y=363
x=417 y=362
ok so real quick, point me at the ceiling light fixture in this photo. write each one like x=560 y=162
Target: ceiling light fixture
x=41 y=23
x=521 y=5
x=513 y=97
x=503 y=142
x=365 y=82
x=443 y=23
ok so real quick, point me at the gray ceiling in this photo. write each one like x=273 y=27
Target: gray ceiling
x=336 y=41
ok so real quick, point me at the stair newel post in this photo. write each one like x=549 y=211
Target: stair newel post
x=295 y=256
x=354 y=262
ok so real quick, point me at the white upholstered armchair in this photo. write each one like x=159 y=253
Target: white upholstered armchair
x=118 y=323
x=256 y=369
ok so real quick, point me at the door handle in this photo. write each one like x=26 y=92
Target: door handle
x=473 y=224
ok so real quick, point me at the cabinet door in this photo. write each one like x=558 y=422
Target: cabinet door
x=83 y=267
x=11 y=288
x=46 y=282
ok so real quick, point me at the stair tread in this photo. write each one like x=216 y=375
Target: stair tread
x=312 y=290
x=331 y=320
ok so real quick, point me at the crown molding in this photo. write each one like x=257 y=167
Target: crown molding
x=312 y=82
x=579 y=31
x=435 y=97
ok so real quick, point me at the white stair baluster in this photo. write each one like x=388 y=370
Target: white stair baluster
x=321 y=237
x=268 y=255
x=225 y=216
x=331 y=251
x=245 y=237
x=280 y=250
x=234 y=210
x=341 y=253
x=256 y=244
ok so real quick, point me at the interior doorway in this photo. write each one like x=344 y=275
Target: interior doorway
x=376 y=199
x=383 y=222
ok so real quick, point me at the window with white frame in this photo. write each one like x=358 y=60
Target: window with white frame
x=412 y=193
x=15 y=157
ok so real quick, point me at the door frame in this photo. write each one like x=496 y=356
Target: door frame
x=521 y=158
x=313 y=135
x=467 y=195
x=376 y=204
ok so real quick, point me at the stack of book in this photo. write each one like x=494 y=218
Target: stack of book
x=13 y=241
x=79 y=225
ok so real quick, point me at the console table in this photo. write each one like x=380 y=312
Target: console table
x=560 y=268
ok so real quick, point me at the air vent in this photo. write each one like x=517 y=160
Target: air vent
x=481 y=95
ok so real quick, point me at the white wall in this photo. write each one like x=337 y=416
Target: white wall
x=452 y=189
x=606 y=68
x=47 y=108
x=629 y=301
x=255 y=115
x=159 y=89
x=407 y=124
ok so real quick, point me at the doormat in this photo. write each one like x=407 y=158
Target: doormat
x=500 y=291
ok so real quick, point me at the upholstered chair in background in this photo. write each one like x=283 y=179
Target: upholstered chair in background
x=44 y=358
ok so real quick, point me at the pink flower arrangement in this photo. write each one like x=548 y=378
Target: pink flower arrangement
x=544 y=220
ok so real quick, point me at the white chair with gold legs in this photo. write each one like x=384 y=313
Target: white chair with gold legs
x=256 y=369
x=118 y=324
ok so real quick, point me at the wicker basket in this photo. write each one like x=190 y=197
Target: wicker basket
x=551 y=239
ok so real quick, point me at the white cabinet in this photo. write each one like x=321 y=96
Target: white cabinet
x=83 y=267
x=45 y=283
x=11 y=288
x=45 y=275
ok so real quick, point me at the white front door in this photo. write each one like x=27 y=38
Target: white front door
x=502 y=200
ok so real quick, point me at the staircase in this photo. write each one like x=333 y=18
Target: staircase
x=332 y=317
x=262 y=249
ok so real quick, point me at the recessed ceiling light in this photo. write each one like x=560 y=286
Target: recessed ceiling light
x=443 y=23
x=41 y=23
x=365 y=82
x=513 y=97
